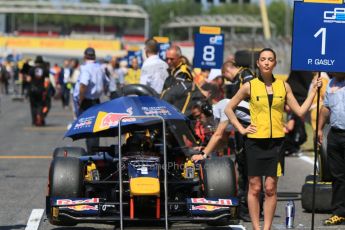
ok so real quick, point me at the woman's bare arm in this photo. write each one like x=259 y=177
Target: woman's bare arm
x=292 y=102
x=243 y=93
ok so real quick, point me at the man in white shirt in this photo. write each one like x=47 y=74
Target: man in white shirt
x=154 y=70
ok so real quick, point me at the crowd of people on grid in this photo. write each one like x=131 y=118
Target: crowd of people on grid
x=202 y=95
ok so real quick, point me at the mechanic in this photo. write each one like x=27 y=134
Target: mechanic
x=154 y=70
x=92 y=83
x=213 y=88
x=237 y=76
x=333 y=108
x=202 y=122
x=179 y=88
x=265 y=135
x=25 y=74
x=38 y=79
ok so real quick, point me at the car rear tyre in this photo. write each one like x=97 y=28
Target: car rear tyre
x=69 y=151
x=311 y=178
x=65 y=181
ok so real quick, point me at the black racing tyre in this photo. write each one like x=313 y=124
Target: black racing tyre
x=219 y=181
x=138 y=89
x=311 y=178
x=66 y=177
x=324 y=171
x=71 y=152
x=219 y=178
x=323 y=196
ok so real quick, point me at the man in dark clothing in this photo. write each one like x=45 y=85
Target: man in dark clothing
x=24 y=72
x=236 y=77
x=179 y=88
x=39 y=78
x=4 y=79
x=300 y=82
x=295 y=134
x=333 y=110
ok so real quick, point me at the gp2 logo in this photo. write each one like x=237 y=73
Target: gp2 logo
x=216 y=40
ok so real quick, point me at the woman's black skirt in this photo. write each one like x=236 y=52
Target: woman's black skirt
x=264 y=156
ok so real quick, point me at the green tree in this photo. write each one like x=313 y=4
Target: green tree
x=251 y=9
x=277 y=15
x=161 y=13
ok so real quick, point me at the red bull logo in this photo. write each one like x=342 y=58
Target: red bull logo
x=106 y=120
x=207 y=208
x=112 y=119
x=80 y=205
x=222 y=202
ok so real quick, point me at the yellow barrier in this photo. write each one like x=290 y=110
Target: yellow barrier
x=59 y=43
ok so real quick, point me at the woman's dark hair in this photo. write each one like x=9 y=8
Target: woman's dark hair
x=268 y=49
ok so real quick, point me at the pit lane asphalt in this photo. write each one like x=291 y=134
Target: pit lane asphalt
x=25 y=156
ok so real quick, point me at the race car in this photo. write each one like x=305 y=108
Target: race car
x=146 y=176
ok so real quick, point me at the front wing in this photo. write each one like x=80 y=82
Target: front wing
x=97 y=210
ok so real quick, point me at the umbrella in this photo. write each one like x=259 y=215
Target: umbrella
x=103 y=119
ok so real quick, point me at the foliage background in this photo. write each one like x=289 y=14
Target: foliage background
x=161 y=12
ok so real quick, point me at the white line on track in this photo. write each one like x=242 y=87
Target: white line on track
x=34 y=219
x=307 y=159
x=237 y=227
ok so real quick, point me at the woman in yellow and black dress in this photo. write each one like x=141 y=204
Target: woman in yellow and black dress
x=265 y=135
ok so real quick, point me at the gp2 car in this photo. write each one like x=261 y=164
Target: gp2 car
x=149 y=177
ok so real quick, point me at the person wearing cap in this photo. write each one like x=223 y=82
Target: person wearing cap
x=154 y=70
x=179 y=88
x=38 y=79
x=92 y=83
